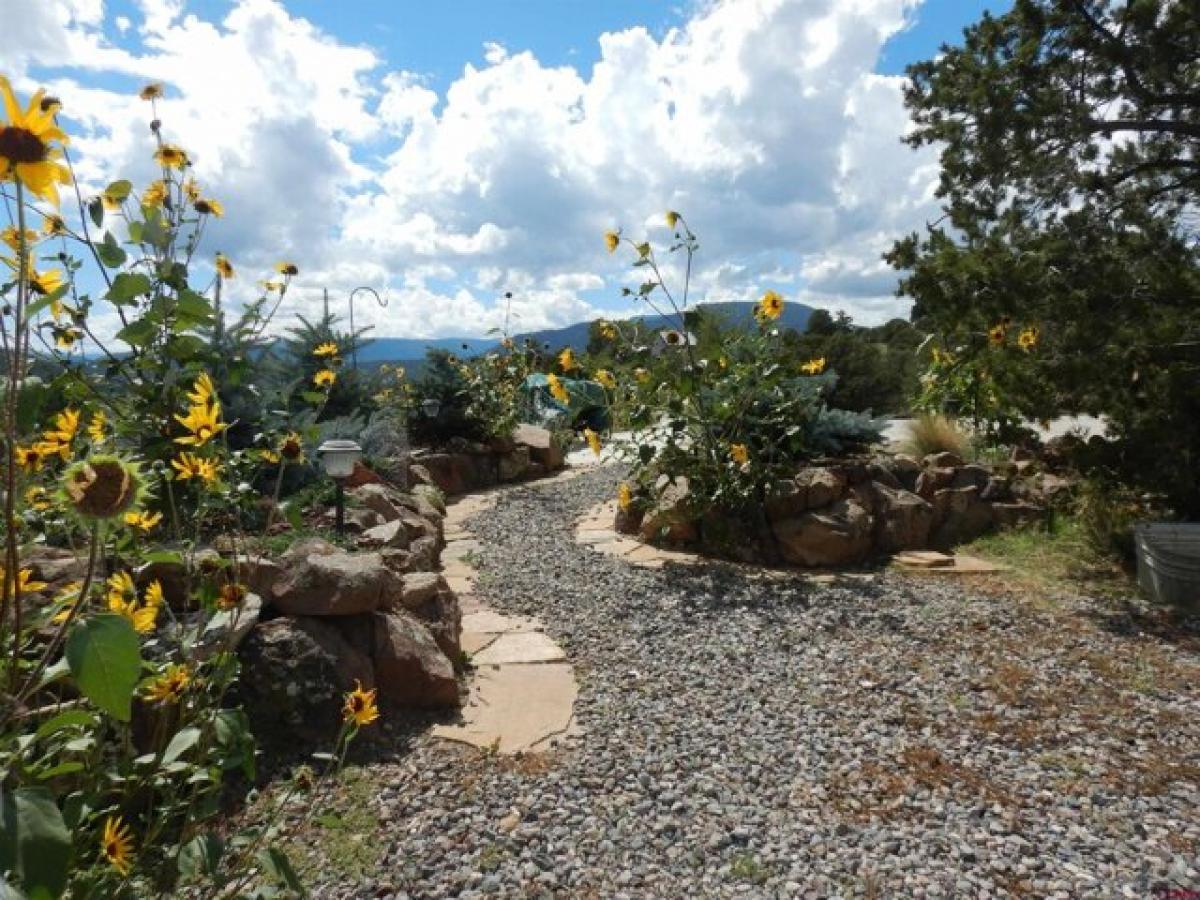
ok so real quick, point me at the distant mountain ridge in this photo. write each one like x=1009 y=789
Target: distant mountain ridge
x=397 y=350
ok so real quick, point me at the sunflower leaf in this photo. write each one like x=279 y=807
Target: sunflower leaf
x=106 y=661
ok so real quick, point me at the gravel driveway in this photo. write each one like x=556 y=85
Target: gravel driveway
x=896 y=738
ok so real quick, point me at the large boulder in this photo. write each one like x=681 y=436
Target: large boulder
x=390 y=534
x=379 y=499
x=294 y=673
x=335 y=584
x=427 y=596
x=906 y=469
x=932 y=480
x=834 y=536
x=513 y=465
x=1015 y=515
x=814 y=487
x=947 y=459
x=972 y=475
x=670 y=520
x=458 y=473
x=959 y=516
x=423 y=554
x=410 y=668
x=902 y=520
x=542 y=447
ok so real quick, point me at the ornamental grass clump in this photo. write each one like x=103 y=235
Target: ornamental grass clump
x=734 y=415
x=118 y=737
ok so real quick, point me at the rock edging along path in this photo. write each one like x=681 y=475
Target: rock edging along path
x=522 y=689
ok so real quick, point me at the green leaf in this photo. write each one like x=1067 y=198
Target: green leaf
x=106 y=660
x=200 y=856
x=34 y=842
x=138 y=333
x=95 y=209
x=183 y=741
x=44 y=301
x=127 y=287
x=66 y=768
x=277 y=866
x=110 y=253
x=72 y=718
x=118 y=190
x=168 y=557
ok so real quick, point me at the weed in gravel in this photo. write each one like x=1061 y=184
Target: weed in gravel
x=745 y=867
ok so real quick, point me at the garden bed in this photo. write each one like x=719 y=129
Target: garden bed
x=845 y=511
x=462 y=466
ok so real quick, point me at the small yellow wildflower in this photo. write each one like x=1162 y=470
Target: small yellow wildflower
x=188 y=465
x=231 y=595
x=155 y=194
x=25 y=583
x=224 y=266
x=605 y=378
x=997 y=334
x=566 y=359
x=672 y=218
x=37 y=498
x=642 y=375
x=739 y=453
x=287 y=268
x=29 y=458
x=53 y=225
x=203 y=422
x=608 y=331
x=170 y=686
x=12 y=237
x=557 y=389
x=325 y=378
x=66 y=599
x=152 y=91
x=123 y=600
x=96 y=427
x=170 y=156
x=624 y=496
x=27 y=147
x=814 y=366
x=191 y=190
x=203 y=392
x=116 y=845
x=1028 y=338
x=770 y=306
x=207 y=206
x=66 y=426
x=593 y=440
x=612 y=240
x=360 y=708
x=143 y=521
x=329 y=348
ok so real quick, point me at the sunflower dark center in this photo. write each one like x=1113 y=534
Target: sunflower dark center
x=19 y=145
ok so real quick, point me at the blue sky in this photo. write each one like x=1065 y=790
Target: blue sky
x=446 y=153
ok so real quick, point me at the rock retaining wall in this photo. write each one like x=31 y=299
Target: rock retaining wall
x=463 y=466
x=839 y=512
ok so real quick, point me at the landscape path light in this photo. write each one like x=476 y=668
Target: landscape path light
x=338 y=459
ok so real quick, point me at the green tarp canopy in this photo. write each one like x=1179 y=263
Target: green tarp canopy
x=587 y=405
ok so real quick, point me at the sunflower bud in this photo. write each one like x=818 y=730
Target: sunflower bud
x=102 y=487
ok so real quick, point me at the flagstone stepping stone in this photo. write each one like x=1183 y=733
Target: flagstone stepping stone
x=959 y=564
x=516 y=708
x=488 y=621
x=520 y=647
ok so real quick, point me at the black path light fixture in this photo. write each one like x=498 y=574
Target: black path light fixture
x=382 y=301
x=338 y=458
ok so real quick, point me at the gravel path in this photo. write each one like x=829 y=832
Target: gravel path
x=744 y=738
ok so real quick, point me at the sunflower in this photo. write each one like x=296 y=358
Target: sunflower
x=359 y=708
x=169 y=687
x=53 y=225
x=203 y=421
x=224 y=266
x=566 y=359
x=624 y=496
x=12 y=237
x=142 y=521
x=27 y=139
x=612 y=240
x=231 y=595
x=122 y=599
x=155 y=194
x=96 y=427
x=45 y=283
x=557 y=389
x=325 y=378
x=291 y=448
x=29 y=458
x=170 y=156
x=592 y=439
x=112 y=202
x=607 y=330
x=739 y=453
x=116 y=845
x=207 y=206
x=66 y=426
x=24 y=582
x=65 y=338
x=606 y=379
x=203 y=392
x=1028 y=338
x=66 y=600
x=770 y=306
x=102 y=486
x=287 y=268
x=329 y=348
x=152 y=91
x=997 y=334
x=641 y=375
x=672 y=218
x=813 y=366
x=38 y=498
x=191 y=190
x=188 y=465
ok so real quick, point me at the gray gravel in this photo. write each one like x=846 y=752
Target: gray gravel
x=744 y=738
